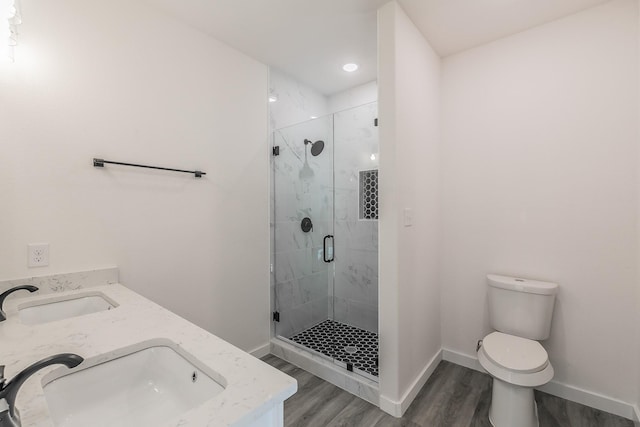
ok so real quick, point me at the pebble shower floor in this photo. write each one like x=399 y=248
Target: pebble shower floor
x=338 y=341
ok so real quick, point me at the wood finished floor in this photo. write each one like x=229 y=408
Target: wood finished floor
x=453 y=397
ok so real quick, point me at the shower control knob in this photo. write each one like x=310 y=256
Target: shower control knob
x=306 y=225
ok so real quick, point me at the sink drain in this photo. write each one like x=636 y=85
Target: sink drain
x=351 y=349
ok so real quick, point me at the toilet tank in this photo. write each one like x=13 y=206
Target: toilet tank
x=521 y=307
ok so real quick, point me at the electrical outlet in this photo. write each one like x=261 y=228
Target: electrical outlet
x=37 y=255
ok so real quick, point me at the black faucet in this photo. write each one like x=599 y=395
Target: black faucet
x=5 y=294
x=9 y=390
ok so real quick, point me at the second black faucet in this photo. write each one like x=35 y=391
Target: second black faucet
x=6 y=293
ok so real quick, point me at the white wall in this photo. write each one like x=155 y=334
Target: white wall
x=409 y=79
x=121 y=81
x=540 y=180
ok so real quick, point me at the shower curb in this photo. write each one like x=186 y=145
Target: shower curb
x=327 y=370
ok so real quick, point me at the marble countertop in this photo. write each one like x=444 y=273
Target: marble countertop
x=253 y=388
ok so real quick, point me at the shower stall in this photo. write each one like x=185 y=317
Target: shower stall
x=325 y=238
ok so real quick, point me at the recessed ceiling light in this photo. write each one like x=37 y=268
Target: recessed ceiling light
x=313 y=117
x=350 y=68
x=273 y=98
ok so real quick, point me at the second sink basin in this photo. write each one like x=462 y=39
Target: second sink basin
x=58 y=308
x=142 y=388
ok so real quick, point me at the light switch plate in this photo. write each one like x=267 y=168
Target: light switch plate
x=408 y=217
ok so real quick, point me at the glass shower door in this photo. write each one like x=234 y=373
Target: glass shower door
x=303 y=233
x=325 y=183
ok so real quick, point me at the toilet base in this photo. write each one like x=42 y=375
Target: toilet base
x=512 y=406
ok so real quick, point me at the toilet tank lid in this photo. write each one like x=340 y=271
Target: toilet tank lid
x=522 y=285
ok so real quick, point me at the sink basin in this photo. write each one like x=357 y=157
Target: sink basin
x=145 y=387
x=59 y=308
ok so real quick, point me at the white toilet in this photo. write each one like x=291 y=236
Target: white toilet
x=521 y=311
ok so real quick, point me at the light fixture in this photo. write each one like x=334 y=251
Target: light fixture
x=273 y=98
x=9 y=21
x=350 y=68
x=313 y=117
x=373 y=156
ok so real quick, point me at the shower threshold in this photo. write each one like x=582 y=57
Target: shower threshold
x=344 y=343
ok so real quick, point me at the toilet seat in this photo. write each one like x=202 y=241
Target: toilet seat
x=516 y=354
x=505 y=357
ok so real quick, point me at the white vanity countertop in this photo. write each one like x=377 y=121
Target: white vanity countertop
x=253 y=387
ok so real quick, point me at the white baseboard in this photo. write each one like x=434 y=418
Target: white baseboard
x=589 y=398
x=397 y=409
x=261 y=351
x=462 y=359
x=565 y=391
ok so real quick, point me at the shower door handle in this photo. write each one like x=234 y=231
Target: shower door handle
x=324 y=248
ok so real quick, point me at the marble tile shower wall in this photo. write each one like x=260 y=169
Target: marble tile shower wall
x=356 y=252
x=296 y=102
x=303 y=190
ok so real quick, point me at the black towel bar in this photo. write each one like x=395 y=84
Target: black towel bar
x=99 y=163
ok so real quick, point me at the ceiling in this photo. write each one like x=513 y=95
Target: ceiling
x=452 y=26
x=311 y=39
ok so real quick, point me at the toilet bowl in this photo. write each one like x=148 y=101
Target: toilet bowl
x=520 y=311
x=517 y=365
